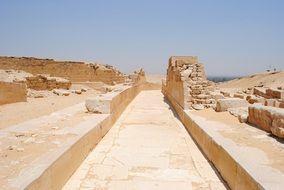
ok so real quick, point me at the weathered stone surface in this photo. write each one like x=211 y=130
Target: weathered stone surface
x=38 y=93
x=279 y=104
x=74 y=71
x=277 y=127
x=14 y=75
x=241 y=113
x=84 y=89
x=275 y=93
x=198 y=106
x=99 y=104
x=138 y=77
x=239 y=95
x=270 y=119
x=270 y=102
x=217 y=95
x=45 y=82
x=260 y=92
x=225 y=93
x=187 y=83
x=61 y=92
x=11 y=92
x=224 y=104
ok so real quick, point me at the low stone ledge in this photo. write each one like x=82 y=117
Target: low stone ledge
x=53 y=168
x=241 y=166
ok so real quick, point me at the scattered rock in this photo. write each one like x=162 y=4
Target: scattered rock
x=20 y=149
x=198 y=106
x=99 y=104
x=12 y=147
x=34 y=135
x=226 y=94
x=29 y=140
x=78 y=92
x=243 y=118
x=61 y=92
x=84 y=89
x=217 y=95
x=20 y=135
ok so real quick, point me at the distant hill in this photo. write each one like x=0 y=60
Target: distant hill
x=220 y=79
x=267 y=79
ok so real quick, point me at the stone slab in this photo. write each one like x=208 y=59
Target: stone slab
x=246 y=157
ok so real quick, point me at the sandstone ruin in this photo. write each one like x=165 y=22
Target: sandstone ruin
x=73 y=71
x=104 y=129
x=187 y=83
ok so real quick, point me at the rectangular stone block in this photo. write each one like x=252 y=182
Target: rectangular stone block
x=12 y=92
x=268 y=118
x=99 y=104
x=224 y=104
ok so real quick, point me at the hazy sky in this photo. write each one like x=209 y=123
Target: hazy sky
x=231 y=37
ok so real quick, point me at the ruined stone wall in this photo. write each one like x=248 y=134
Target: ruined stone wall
x=11 y=92
x=187 y=84
x=74 y=71
x=41 y=82
x=138 y=77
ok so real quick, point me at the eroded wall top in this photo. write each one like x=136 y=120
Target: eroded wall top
x=187 y=83
x=74 y=71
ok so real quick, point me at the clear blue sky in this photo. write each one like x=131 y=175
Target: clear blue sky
x=231 y=37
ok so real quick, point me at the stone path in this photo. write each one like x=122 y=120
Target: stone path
x=147 y=148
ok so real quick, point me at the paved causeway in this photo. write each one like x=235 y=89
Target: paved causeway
x=147 y=148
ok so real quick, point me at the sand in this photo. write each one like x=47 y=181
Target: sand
x=11 y=114
x=268 y=79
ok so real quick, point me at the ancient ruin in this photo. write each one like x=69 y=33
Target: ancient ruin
x=187 y=83
x=102 y=129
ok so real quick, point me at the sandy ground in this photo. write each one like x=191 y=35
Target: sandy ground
x=11 y=114
x=147 y=148
x=268 y=79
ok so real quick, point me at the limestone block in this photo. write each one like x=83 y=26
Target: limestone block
x=224 y=104
x=275 y=93
x=84 y=89
x=270 y=102
x=241 y=113
x=260 y=92
x=239 y=95
x=279 y=104
x=226 y=94
x=268 y=118
x=76 y=91
x=277 y=127
x=198 y=106
x=11 y=92
x=99 y=104
x=61 y=92
x=217 y=95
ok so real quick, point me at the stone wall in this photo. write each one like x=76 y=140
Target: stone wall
x=74 y=71
x=41 y=82
x=11 y=92
x=187 y=84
